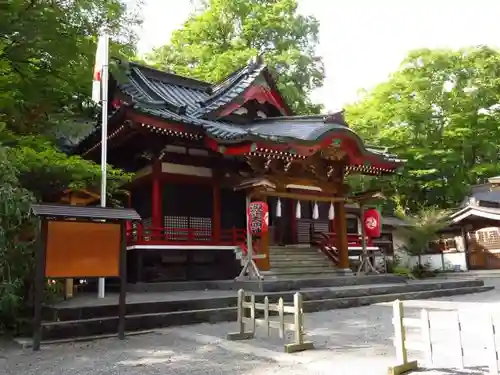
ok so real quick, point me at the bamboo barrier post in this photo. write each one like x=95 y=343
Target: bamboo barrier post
x=399 y=342
x=299 y=344
x=459 y=344
x=426 y=336
x=252 y=312
x=281 y=312
x=266 y=315
x=241 y=335
x=492 y=347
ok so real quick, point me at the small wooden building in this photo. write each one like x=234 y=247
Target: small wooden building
x=473 y=238
x=480 y=231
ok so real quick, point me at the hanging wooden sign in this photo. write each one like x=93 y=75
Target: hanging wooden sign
x=258 y=217
x=372 y=222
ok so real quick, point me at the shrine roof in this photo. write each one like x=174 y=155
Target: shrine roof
x=184 y=100
x=172 y=94
x=165 y=103
x=283 y=130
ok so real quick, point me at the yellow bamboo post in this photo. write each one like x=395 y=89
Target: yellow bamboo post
x=400 y=342
x=281 y=312
x=241 y=334
x=299 y=344
x=426 y=336
x=266 y=315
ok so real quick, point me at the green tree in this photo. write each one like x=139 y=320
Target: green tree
x=14 y=203
x=440 y=112
x=47 y=51
x=224 y=34
x=422 y=228
x=46 y=59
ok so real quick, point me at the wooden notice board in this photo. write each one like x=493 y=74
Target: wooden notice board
x=82 y=249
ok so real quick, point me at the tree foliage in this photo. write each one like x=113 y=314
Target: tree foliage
x=224 y=34
x=47 y=52
x=47 y=49
x=423 y=227
x=440 y=111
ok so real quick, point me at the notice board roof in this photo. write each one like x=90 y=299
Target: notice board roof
x=83 y=212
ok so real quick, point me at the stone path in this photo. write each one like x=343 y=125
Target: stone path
x=350 y=341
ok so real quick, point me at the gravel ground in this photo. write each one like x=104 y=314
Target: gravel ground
x=349 y=341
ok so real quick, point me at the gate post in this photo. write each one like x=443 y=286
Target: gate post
x=298 y=322
x=399 y=342
x=241 y=335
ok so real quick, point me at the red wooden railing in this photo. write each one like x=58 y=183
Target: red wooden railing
x=183 y=236
x=327 y=243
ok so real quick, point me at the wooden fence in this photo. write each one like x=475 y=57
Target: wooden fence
x=425 y=344
x=272 y=322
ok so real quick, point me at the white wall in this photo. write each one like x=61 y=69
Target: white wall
x=433 y=261
x=447 y=261
x=397 y=242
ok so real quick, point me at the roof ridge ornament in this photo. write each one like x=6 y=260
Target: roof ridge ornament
x=336 y=118
x=256 y=61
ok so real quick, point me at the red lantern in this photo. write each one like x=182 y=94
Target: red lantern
x=372 y=222
x=258 y=217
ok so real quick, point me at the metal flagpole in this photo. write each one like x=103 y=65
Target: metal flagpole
x=104 y=135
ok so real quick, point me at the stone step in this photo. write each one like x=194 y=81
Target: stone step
x=317 y=255
x=347 y=302
x=287 y=267
x=326 y=274
x=315 y=299
x=295 y=255
x=300 y=251
x=267 y=285
x=298 y=256
x=81 y=330
x=304 y=263
x=292 y=250
x=277 y=275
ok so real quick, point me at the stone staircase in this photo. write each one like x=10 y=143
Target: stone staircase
x=86 y=317
x=298 y=261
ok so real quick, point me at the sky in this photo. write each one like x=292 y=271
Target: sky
x=361 y=41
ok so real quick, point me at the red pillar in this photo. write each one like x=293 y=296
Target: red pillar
x=216 y=220
x=341 y=235
x=156 y=196
x=293 y=221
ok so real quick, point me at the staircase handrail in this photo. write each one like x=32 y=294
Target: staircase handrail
x=326 y=243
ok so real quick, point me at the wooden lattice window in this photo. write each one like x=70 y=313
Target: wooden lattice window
x=171 y=224
x=443 y=244
x=203 y=228
x=489 y=238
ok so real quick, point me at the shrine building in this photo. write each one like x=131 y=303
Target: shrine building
x=200 y=150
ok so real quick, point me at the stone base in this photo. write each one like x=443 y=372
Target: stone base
x=344 y=271
x=401 y=369
x=238 y=336
x=293 y=348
